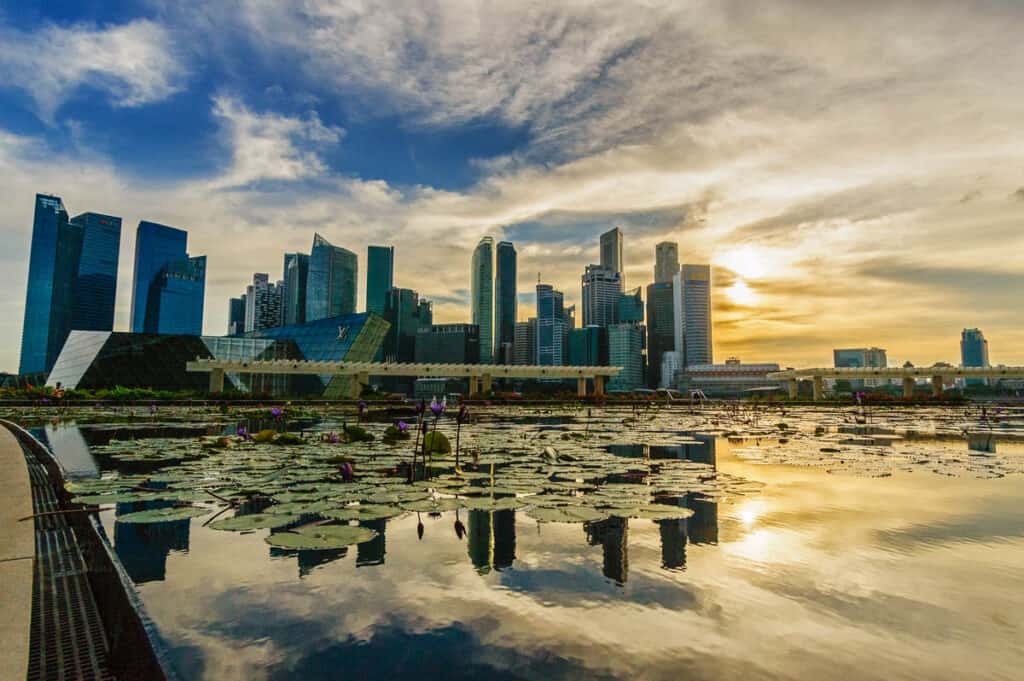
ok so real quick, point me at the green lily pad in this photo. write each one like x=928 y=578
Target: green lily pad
x=660 y=512
x=160 y=515
x=321 y=537
x=432 y=505
x=566 y=514
x=253 y=521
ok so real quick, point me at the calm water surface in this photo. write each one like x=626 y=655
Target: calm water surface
x=816 y=576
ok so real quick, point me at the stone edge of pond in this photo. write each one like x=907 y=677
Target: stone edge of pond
x=17 y=559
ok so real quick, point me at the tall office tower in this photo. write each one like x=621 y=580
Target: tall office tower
x=524 y=347
x=72 y=279
x=551 y=337
x=856 y=358
x=661 y=329
x=482 y=296
x=176 y=298
x=629 y=308
x=974 y=353
x=236 y=316
x=380 y=276
x=666 y=262
x=601 y=289
x=331 y=283
x=626 y=350
x=611 y=253
x=505 y=274
x=448 y=344
x=425 y=314
x=692 y=311
x=293 y=293
x=401 y=310
x=263 y=302
x=588 y=347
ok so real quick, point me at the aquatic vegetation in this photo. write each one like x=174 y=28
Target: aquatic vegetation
x=160 y=515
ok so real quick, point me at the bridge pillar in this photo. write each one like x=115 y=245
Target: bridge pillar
x=599 y=385
x=358 y=381
x=474 y=388
x=908 y=387
x=936 y=386
x=487 y=383
x=794 y=388
x=216 y=380
x=581 y=387
x=819 y=388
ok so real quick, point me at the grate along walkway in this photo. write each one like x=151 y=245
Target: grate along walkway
x=67 y=642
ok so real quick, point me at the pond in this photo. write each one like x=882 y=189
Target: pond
x=573 y=544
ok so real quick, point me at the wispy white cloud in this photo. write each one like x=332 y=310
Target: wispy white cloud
x=134 y=63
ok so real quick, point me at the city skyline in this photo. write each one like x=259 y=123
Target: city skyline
x=816 y=176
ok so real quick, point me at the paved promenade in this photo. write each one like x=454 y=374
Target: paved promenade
x=17 y=557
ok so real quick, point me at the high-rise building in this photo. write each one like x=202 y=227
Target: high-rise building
x=156 y=245
x=666 y=262
x=601 y=289
x=551 y=337
x=629 y=308
x=401 y=310
x=425 y=314
x=661 y=329
x=236 y=316
x=626 y=350
x=974 y=353
x=331 y=283
x=692 y=311
x=293 y=293
x=380 y=276
x=856 y=358
x=524 y=347
x=72 y=279
x=670 y=366
x=263 y=301
x=505 y=275
x=448 y=344
x=611 y=252
x=176 y=298
x=588 y=346
x=482 y=296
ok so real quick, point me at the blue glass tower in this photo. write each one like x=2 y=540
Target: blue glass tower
x=550 y=326
x=380 y=276
x=164 y=277
x=296 y=276
x=331 y=283
x=71 y=280
x=505 y=275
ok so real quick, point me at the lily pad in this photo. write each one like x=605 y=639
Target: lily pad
x=566 y=514
x=160 y=515
x=254 y=521
x=321 y=537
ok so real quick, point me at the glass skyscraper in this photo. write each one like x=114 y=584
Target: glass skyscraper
x=625 y=350
x=974 y=353
x=380 y=276
x=660 y=328
x=692 y=308
x=72 y=279
x=401 y=310
x=331 y=284
x=611 y=252
x=505 y=302
x=482 y=296
x=551 y=340
x=601 y=289
x=293 y=297
x=168 y=287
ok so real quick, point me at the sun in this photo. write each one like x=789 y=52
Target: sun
x=741 y=293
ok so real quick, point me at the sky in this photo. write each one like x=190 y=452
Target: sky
x=853 y=172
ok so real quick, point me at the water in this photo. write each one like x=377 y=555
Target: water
x=809 y=575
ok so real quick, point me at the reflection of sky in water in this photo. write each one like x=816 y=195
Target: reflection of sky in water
x=67 y=443
x=815 y=577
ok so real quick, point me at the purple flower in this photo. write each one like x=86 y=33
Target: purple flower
x=402 y=426
x=346 y=471
x=277 y=413
x=333 y=438
x=362 y=408
x=421 y=406
x=243 y=433
x=437 y=408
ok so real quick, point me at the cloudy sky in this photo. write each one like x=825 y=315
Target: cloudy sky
x=853 y=171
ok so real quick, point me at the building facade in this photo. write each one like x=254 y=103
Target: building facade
x=524 y=347
x=293 y=296
x=72 y=280
x=974 y=353
x=601 y=290
x=380 y=276
x=176 y=298
x=236 y=316
x=692 y=311
x=482 y=296
x=448 y=344
x=611 y=253
x=588 y=346
x=859 y=358
x=551 y=340
x=331 y=283
x=263 y=303
x=666 y=262
x=505 y=301
x=401 y=311
x=626 y=350
x=731 y=379
x=661 y=325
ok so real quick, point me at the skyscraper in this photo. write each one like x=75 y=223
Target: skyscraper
x=630 y=307
x=504 y=302
x=331 y=283
x=588 y=346
x=72 y=280
x=551 y=338
x=482 y=296
x=660 y=328
x=448 y=344
x=293 y=294
x=155 y=246
x=425 y=314
x=601 y=289
x=666 y=262
x=380 y=276
x=611 y=252
x=263 y=303
x=176 y=297
x=236 y=316
x=692 y=311
x=974 y=353
x=401 y=310
x=524 y=348
x=626 y=350
x=855 y=358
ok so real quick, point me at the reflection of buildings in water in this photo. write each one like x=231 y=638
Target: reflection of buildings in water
x=491 y=540
x=673 y=543
x=699 y=453
x=613 y=536
x=309 y=560
x=702 y=526
x=372 y=552
x=70 y=448
x=143 y=547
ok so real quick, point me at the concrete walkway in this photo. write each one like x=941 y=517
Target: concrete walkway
x=17 y=559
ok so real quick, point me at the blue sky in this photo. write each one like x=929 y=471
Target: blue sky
x=821 y=155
